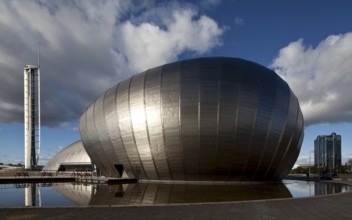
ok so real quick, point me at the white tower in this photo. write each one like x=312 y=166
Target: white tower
x=31 y=115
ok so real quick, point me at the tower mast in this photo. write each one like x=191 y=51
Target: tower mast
x=39 y=120
x=31 y=114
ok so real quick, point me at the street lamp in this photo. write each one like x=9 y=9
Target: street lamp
x=310 y=151
x=309 y=165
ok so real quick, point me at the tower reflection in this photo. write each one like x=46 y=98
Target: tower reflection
x=30 y=194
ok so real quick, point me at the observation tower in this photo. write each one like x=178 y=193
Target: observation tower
x=31 y=115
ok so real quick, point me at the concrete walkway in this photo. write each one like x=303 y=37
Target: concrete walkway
x=36 y=179
x=337 y=206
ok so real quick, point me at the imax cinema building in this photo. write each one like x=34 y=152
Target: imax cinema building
x=204 y=119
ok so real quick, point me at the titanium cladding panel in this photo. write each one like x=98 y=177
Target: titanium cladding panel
x=201 y=119
x=74 y=153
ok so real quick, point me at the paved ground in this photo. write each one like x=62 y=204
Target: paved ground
x=36 y=179
x=338 y=206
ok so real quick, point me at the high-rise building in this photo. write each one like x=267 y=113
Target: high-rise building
x=31 y=115
x=327 y=152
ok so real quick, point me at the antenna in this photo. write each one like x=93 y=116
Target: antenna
x=38 y=54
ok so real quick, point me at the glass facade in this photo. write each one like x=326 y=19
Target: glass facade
x=327 y=152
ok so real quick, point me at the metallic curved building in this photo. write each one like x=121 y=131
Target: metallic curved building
x=71 y=155
x=213 y=119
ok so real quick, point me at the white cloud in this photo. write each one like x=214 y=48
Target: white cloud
x=147 y=45
x=321 y=77
x=239 y=21
x=304 y=160
x=88 y=46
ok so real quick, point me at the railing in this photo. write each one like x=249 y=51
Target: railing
x=19 y=172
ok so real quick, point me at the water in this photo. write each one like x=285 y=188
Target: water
x=73 y=194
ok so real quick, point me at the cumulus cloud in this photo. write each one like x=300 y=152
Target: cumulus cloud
x=321 y=77
x=88 y=46
x=183 y=32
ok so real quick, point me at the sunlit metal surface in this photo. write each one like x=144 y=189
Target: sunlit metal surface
x=199 y=119
x=74 y=153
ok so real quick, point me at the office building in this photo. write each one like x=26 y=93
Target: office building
x=327 y=152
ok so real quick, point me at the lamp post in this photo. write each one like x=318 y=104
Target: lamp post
x=310 y=151
x=309 y=165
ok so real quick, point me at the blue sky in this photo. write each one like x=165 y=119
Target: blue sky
x=88 y=46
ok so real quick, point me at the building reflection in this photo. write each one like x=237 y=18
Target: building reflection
x=328 y=188
x=78 y=193
x=30 y=194
x=146 y=194
x=149 y=194
x=152 y=193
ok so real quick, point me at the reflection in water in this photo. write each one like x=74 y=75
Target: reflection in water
x=30 y=194
x=68 y=194
x=80 y=194
x=311 y=188
x=145 y=194
x=328 y=188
